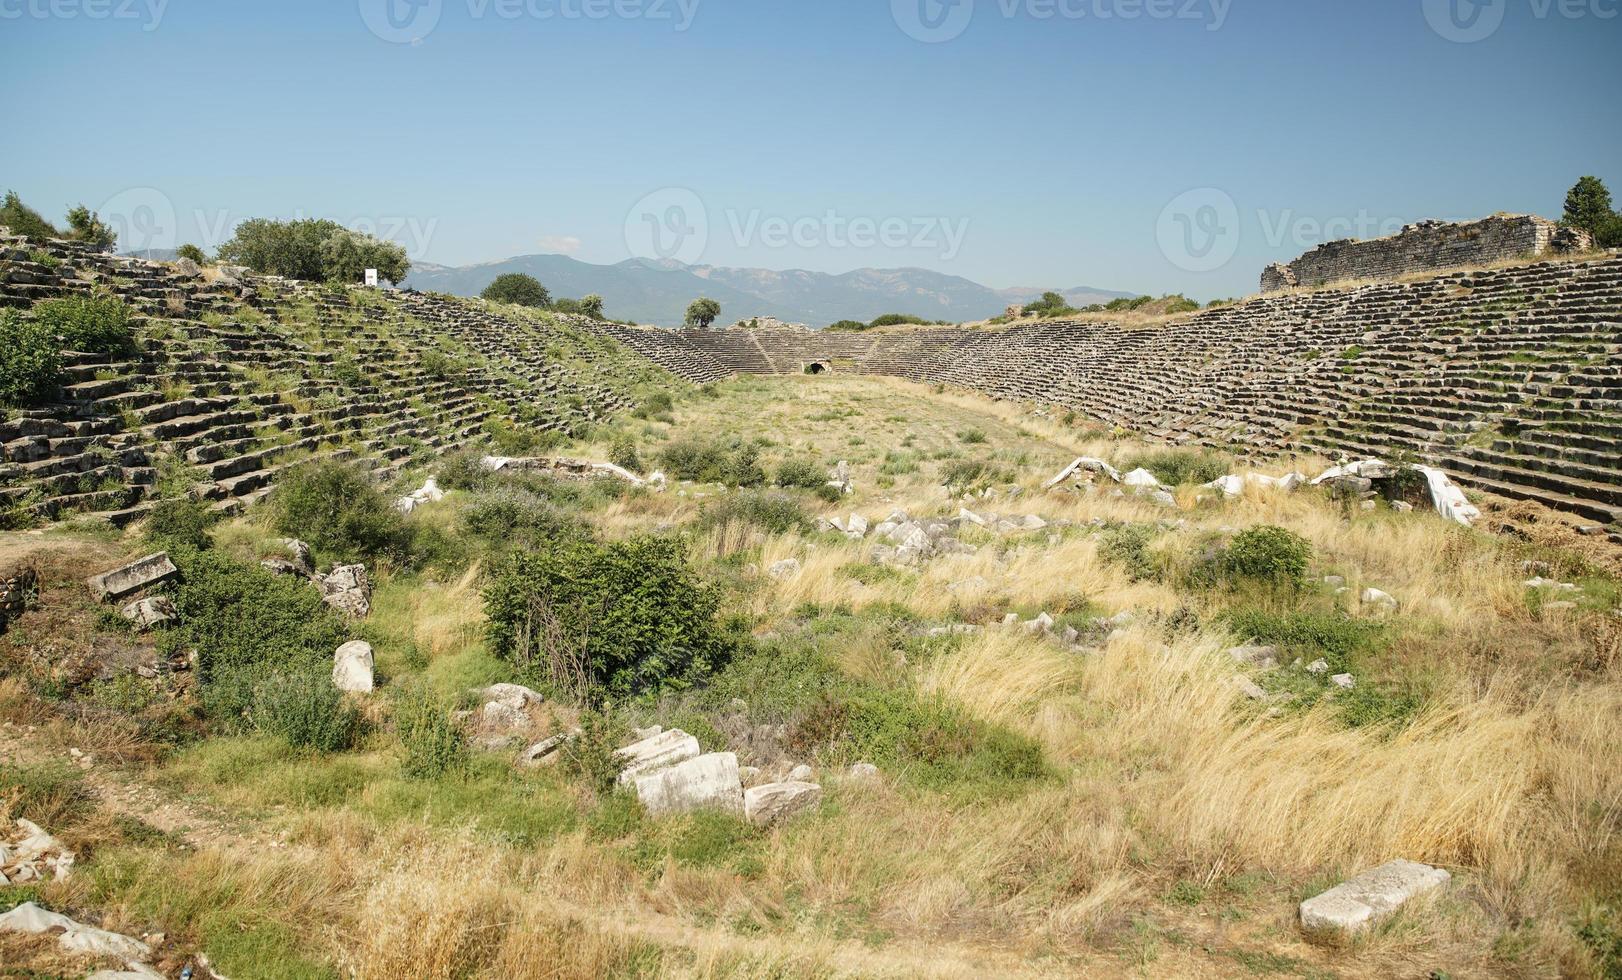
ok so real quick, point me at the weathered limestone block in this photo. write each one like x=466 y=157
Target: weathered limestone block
x=149 y=612
x=140 y=574
x=348 y=590
x=767 y=804
x=705 y=783
x=352 y=667
x=656 y=752
x=1355 y=905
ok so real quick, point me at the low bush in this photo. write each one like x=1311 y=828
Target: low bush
x=1334 y=636
x=337 y=509
x=1269 y=554
x=711 y=461
x=1128 y=547
x=800 y=472
x=247 y=624
x=622 y=453
x=774 y=513
x=516 y=517
x=432 y=741
x=968 y=474
x=627 y=616
x=180 y=524
x=30 y=361
x=1176 y=467
x=304 y=709
x=93 y=324
x=591 y=754
x=52 y=794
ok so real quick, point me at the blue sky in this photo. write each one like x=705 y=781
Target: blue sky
x=1149 y=145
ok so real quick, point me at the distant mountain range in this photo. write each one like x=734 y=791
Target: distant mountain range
x=658 y=292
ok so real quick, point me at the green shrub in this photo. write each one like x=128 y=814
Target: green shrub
x=462 y=470
x=847 y=326
x=1334 y=636
x=192 y=252
x=30 y=361
x=896 y=319
x=85 y=225
x=519 y=289
x=627 y=616
x=1128 y=547
x=312 y=249
x=590 y=755
x=657 y=404
x=304 y=709
x=710 y=461
x=93 y=324
x=1176 y=467
x=828 y=493
x=1600 y=929
x=516 y=517
x=52 y=794
x=24 y=220
x=800 y=472
x=623 y=453
x=973 y=437
x=775 y=513
x=1269 y=554
x=247 y=624
x=180 y=524
x=337 y=509
x=433 y=744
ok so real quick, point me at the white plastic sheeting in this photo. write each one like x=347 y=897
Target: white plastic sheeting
x=428 y=493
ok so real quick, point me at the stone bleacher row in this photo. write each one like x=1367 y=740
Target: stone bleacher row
x=238 y=379
x=1510 y=379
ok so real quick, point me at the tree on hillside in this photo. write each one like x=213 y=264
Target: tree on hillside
x=313 y=249
x=519 y=289
x=702 y=312
x=1588 y=205
x=190 y=251
x=85 y=225
x=592 y=305
x=24 y=220
x=346 y=255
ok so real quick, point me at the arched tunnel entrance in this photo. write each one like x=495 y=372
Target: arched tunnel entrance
x=818 y=367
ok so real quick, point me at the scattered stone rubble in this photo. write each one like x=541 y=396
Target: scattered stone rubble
x=564 y=467
x=670 y=775
x=17 y=591
x=1355 y=905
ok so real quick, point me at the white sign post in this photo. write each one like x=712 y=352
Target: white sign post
x=371 y=277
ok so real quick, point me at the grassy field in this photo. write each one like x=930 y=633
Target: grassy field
x=1118 y=807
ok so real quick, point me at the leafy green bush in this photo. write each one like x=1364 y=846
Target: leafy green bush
x=1269 y=554
x=775 y=513
x=1600 y=929
x=519 y=289
x=462 y=470
x=433 y=744
x=591 y=754
x=847 y=326
x=192 y=252
x=24 y=220
x=628 y=616
x=1334 y=636
x=1128 y=547
x=246 y=624
x=30 y=362
x=312 y=249
x=623 y=453
x=800 y=472
x=93 y=324
x=710 y=461
x=660 y=403
x=85 y=225
x=304 y=709
x=516 y=517
x=180 y=524
x=1175 y=467
x=896 y=319
x=339 y=511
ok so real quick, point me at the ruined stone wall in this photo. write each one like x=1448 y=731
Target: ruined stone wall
x=1426 y=246
x=17 y=590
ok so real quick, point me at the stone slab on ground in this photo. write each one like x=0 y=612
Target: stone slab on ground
x=709 y=782
x=767 y=804
x=139 y=574
x=657 y=751
x=1358 y=903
